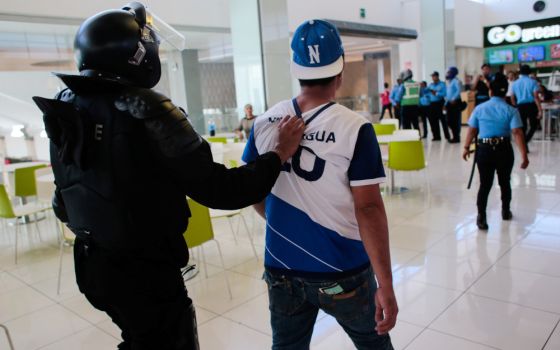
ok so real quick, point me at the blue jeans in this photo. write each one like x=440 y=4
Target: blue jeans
x=295 y=303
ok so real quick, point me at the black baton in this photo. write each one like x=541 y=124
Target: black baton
x=472 y=170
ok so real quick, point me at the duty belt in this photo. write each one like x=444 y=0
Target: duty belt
x=493 y=141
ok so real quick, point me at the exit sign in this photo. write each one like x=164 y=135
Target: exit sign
x=362 y=13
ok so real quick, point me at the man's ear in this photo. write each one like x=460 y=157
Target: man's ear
x=339 y=80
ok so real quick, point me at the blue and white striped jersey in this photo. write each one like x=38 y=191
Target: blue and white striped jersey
x=311 y=222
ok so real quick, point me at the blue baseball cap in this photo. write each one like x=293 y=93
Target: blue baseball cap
x=318 y=51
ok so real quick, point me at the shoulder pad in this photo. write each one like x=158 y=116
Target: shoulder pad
x=166 y=124
x=84 y=85
x=143 y=103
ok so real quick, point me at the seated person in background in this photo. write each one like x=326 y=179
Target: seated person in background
x=545 y=95
x=246 y=124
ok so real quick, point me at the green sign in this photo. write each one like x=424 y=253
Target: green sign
x=523 y=53
x=362 y=13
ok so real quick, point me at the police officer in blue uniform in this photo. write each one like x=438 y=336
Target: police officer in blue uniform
x=453 y=103
x=526 y=99
x=425 y=107
x=393 y=98
x=492 y=124
x=124 y=159
x=438 y=91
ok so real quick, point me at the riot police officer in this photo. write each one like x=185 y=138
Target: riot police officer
x=408 y=98
x=492 y=124
x=124 y=159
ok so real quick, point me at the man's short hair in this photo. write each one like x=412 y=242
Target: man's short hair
x=316 y=82
x=525 y=70
x=499 y=85
x=485 y=65
x=386 y=85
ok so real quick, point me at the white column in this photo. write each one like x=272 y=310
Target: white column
x=193 y=91
x=261 y=52
x=247 y=55
x=276 y=50
x=433 y=37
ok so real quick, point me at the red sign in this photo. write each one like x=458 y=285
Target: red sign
x=542 y=64
x=555 y=51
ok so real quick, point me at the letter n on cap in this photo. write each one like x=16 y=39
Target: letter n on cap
x=314 y=54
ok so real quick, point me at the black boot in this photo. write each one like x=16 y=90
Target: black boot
x=481 y=222
x=507 y=214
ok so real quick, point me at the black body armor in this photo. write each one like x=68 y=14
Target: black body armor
x=125 y=159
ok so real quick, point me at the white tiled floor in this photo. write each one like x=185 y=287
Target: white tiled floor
x=457 y=288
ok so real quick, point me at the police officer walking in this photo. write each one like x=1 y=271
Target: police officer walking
x=453 y=104
x=492 y=124
x=526 y=99
x=481 y=85
x=393 y=99
x=124 y=159
x=408 y=98
x=424 y=107
x=437 y=94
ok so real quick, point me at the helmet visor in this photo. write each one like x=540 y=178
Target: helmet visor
x=164 y=31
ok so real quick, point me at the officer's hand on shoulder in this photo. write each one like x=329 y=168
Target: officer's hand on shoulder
x=290 y=133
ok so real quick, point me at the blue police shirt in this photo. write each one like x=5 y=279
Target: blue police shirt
x=400 y=93
x=523 y=89
x=425 y=97
x=440 y=89
x=453 y=90
x=394 y=93
x=495 y=118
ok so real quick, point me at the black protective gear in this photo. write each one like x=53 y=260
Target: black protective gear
x=113 y=172
x=165 y=123
x=122 y=176
x=405 y=75
x=118 y=44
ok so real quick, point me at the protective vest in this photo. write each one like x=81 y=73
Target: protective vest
x=411 y=95
x=113 y=188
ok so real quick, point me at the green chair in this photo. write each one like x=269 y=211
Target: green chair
x=384 y=129
x=8 y=212
x=200 y=231
x=405 y=156
x=25 y=184
x=217 y=139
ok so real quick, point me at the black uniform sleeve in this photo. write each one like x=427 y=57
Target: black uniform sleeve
x=188 y=158
x=216 y=186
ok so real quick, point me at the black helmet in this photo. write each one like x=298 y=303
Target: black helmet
x=119 y=44
x=405 y=75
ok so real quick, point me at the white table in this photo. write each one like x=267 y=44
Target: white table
x=385 y=139
x=10 y=168
x=49 y=178
x=546 y=121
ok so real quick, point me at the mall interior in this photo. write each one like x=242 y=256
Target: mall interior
x=457 y=286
